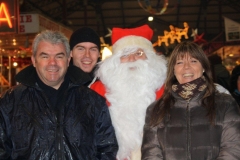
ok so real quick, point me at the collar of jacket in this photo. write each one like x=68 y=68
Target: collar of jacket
x=77 y=76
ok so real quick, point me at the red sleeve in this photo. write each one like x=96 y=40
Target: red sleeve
x=99 y=87
x=159 y=93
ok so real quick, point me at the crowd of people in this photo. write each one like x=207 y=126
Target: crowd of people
x=133 y=105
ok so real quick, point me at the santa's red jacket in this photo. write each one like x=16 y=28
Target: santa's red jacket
x=99 y=87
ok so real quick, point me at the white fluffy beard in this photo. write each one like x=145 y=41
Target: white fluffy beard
x=131 y=88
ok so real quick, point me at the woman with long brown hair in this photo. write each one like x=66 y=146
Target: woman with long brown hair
x=192 y=120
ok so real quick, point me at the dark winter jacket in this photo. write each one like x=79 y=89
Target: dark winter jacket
x=30 y=130
x=188 y=135
x=90 y=75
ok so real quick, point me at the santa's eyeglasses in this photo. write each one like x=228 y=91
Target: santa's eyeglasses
x=136 y=54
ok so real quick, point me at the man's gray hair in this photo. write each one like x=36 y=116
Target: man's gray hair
x=54 y=37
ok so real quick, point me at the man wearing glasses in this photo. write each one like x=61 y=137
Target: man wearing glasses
x=131 y=79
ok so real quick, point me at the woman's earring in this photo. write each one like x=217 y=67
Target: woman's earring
x=203 y=71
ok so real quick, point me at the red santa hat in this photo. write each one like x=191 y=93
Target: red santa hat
x=139 y=37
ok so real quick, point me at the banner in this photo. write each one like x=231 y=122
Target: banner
x=232 y=30
x=35 y=23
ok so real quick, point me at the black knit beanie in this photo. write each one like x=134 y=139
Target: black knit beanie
x=84 y=34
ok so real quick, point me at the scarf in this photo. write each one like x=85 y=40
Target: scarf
x=190 y=89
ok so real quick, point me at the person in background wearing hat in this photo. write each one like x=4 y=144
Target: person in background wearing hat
x=130 y=80
x=85 y=50
x=50 y=115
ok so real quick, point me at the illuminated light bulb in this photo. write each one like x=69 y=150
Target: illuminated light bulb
x=106 y=53
x=150 y=18
x=15 y=64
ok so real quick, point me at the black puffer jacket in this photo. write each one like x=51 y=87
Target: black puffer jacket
x=30 y=130
x=188 y=134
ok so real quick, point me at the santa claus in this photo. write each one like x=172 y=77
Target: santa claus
x=131 y=79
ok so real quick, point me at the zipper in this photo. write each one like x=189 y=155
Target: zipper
x=58 y=130
x=59 y=138
x=188 y=132
x=60 y=126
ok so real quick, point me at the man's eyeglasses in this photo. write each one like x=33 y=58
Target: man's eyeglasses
x=137 y=54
